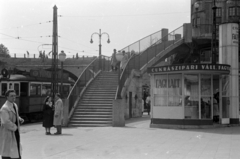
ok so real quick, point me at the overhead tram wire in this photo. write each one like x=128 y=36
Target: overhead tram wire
x=26 y=25
x=130 y=15
x=75 y=42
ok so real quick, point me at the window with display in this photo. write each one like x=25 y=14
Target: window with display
x=191 y=96
x=168 y=90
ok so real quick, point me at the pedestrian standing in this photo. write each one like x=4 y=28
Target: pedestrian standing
x=10 y=146
x=58 y=114
x=48 y=115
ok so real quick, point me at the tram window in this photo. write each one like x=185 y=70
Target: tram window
x=4 y=88
x=10 y=86
x=35 y=89
x=46 y=89
x=16 y=88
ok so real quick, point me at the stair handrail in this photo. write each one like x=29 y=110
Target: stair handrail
x=174 y=38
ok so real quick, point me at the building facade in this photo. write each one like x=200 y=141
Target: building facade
x=199 y=86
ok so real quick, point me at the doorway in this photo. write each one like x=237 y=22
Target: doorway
x=130 y=104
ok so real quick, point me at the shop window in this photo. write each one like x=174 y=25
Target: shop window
x=168 y=90
x=160 y=90
x=205 y=102
x=225 y=96
x=174 y=89
x=191 y=96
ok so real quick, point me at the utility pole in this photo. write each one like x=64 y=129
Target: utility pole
x=214 y=34
x=54 y=54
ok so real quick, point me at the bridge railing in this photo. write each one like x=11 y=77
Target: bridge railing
x=85 y=78
x=144 y=50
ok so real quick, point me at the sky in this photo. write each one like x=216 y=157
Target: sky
x=26 y=25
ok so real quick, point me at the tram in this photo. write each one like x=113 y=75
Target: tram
x=31 y=91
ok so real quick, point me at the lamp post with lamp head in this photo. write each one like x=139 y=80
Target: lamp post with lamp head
x=100 y=45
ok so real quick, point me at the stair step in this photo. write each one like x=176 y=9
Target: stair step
x=92 y=116
x=95 y=102
x=89 y=125
x=94 y=110
x=90 y=119
x=92 y=113
x=98 y=97
x=91 y=122
x=85 y=99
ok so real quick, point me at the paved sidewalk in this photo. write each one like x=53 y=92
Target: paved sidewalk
x=135 y=141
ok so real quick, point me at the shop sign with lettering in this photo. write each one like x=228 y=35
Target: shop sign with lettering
x=190 y=67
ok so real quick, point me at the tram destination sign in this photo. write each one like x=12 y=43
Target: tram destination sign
x=190 y=67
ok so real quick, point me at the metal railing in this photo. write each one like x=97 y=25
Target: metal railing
x=144 y=50
x=87 y=75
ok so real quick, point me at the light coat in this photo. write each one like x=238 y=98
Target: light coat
x=8 y=142
x=59 y=112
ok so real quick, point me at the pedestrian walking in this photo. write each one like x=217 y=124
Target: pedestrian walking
x=114 y=61
x=148 y=103
x=10 y=146
x=48 y=115
x=58 y=114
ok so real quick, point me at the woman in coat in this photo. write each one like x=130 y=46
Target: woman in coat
x=10 y=146
x=48 y=115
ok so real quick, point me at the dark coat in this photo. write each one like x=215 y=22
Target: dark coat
x=47 y=116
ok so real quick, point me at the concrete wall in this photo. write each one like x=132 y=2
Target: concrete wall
x=134 y=85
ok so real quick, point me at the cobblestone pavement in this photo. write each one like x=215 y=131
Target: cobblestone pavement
x=134 y=141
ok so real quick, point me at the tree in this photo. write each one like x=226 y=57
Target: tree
x=4 y=52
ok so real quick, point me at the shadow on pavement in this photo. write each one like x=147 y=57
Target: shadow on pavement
x=145 y=117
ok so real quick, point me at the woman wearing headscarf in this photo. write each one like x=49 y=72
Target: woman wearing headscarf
x=48 y=115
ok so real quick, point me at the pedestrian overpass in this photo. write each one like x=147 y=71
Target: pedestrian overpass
x=160 y=48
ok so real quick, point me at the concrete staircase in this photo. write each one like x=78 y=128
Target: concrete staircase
x=95 y=107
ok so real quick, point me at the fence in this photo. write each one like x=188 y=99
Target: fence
x=144 y=50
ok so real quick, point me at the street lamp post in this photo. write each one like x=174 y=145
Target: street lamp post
x=62 y=57
x=100 y=45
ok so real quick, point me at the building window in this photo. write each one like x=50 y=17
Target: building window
x=218 y=12
x=231 y=11
x=206 y=56
x=234 y=11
